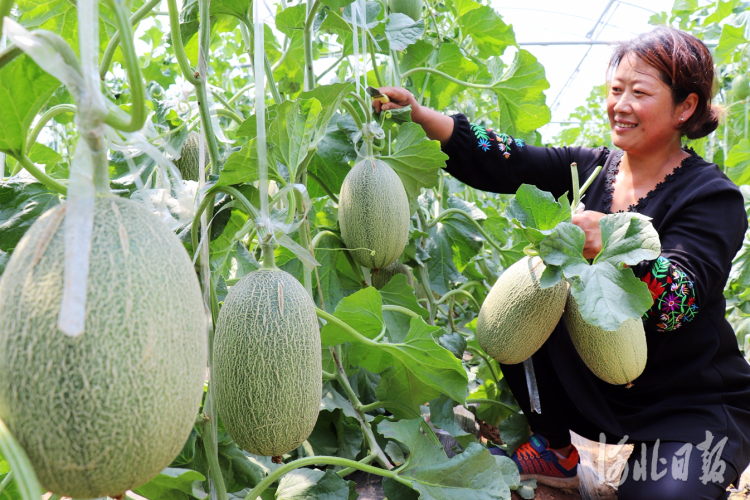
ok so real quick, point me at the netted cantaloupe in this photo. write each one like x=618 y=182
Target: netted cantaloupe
x=267 y=363
x=617 y=357
x=518 y=315
x=374 y=214
x=106 y=411
x=189 y=162
x=412 y=8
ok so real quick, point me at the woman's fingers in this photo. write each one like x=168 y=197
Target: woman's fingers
x=399 y=97
x=589 y=222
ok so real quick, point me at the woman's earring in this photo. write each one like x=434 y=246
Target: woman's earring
x=681 y=118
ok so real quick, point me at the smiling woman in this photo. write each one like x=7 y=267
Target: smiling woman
x=695 y=389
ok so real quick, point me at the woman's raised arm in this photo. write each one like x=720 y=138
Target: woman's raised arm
x=437 y=126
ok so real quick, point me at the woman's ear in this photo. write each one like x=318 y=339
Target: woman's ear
x=686 y=108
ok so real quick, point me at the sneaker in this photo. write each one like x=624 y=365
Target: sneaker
x=536 y=461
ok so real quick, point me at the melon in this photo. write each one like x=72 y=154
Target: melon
x=189 y=162
x=617 y=357
x=412 y=8
x=267 y=367
x=519 y=315
x=106 y=411
x=374 y=214
x=381 y=277
x=741 y=87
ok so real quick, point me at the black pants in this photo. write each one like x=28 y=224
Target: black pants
x=642 y=479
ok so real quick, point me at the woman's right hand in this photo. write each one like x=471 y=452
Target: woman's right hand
x=399 y=96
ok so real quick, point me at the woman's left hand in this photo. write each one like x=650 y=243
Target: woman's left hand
x=588 y=220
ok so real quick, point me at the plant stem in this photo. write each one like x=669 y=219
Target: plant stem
x=14 y=454
x=353 y=112
x=588 y=182
x=491 y=402
x=487 y=362
x=5 y=7
x=396 y=69
x=369 y=458
x=453 y=293
x=304 y=462
x=447 y=77
x=328 y=376
x=46 y=117
x=9 y=53
x=209 y=443
x=177 y=45
x=231 y=115
x=307 y=41
x=114 y=42
x=138 y=111
x=366 y=429
x=373 y=406
x=365 y=106
x=351 y=331
x=323 y=186
x=335 y=64
x=277 y=98
x=356 y=268
x=425 y=277
x=239 y=93
x=576 y=187
x=208 y=199
x=375 y=69
x=40 y=175
x=402 y=310
x=6 y=481
x=470 y=219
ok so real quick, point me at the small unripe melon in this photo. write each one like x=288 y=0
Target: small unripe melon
x=617 y=357
x=106 y=411
x=267 y=366
x=374 y=214
x=381 y=277
x=412 y=8
x=518 y=315
x=189 y=162
x=741 y=87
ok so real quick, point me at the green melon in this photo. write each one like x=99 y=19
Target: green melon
x=189 y=162
x=108 y=410
x=518 y=315
x=617 y=357
x=374 y=214
x=381 y=277
x=412 y=8
x=741 y=87
x=267 y=363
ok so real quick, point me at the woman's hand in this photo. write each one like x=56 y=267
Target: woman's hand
x=437 y=126
x=399 y=97
x=588 y=220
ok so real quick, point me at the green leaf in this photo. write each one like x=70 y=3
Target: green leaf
x=293 y=132
x=372 y=11
x=328 y=252
x=362 y=311
x=291 y=19
x=398 y=293
x=723 y=10
x=174 y=484
x=738 y=161
x=475 y=474
x=242 y=166
x=731 y=38
x=441 y=415
x=444 y=275
x=628 y=238
x=331 y=161
x=537 y=212
x=240 y=9
x=22 y=200
x=418 y=356
x=24 y=89
x=402 y=31
x=312 y=484
x=464 y=6
x=514 y=431
x=416 y=159
x=61 y=17
x=423 y=451
x=607 y=296
x=520 y=96
x=43 y=155
x=451 y=61
x=564 y=248
x=333 y=400
x=490 y=34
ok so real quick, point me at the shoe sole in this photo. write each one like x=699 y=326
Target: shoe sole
x=555 y=482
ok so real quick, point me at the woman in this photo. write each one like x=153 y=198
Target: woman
x=696 y=384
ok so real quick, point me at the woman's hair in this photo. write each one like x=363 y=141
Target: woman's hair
x=685 y=65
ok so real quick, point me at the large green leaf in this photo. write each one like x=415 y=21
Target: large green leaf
x=520 y=96
x=330 y=164
x=174 y=484
x=444 y=274
x=487 y=29
x=416 y=159
x=242 y=166
x=537 y=212
x=291 y=19
x=731 y=38
x=61 y=17
x=402 y=31
x=738 y=161
x=398 y=293
x=22 y=200
x=451 y=61
x=24 y=89
x=363 y=311
x=313 y=484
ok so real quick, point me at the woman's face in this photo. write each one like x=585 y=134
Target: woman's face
x=642 y=116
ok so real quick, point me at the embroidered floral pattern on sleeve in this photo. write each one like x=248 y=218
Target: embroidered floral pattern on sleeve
x=674 y=297
x=485 y=138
